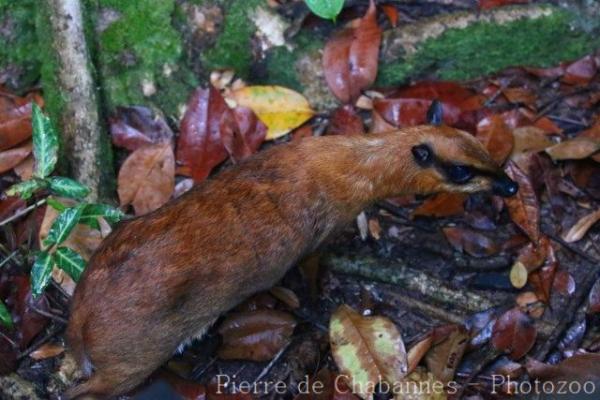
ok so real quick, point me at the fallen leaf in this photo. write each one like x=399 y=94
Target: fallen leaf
x=523 y=207
x=350 y=57
x=443 y=358
x=530 y=139
x=520 y=95
x=137 y=126
x=147 y=178
x=252 y=133
x=564 y=283
x=581 y=71
x=345 y=121
x=391 y=12
x=594 y=299
x=470 y=241
x=255 y=335
x=420 y=385
x=582 y=367
x=441 y=205
x=25 y=168
x=417 y=352
x=286 y=296
x=518 y=275
x=14 y=131
x=12 y=157
x=574 y=149
x=366 y=349
x=47 y=350
x=542 y=280
x=497 y=138
x=325 y=386
x=533 y=255
x=28 y=322
x=580 y=228
x=374 y=229
x=530 y=303
x=279 y=108
x=200 y=147
x=514 y=333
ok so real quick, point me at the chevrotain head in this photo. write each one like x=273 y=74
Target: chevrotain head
x=451 y=160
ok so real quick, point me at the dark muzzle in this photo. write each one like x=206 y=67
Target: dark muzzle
x=504 y=186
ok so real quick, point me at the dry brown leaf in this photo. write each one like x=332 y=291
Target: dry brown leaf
x=443 y=358
x=255 y=335
x=286 y=296
x=147 y=178
x=47 y=350
x=523 y=207
x=578 y=231
x=441 y=205
x=514 y=333
x=12 y=157
x=574 y=149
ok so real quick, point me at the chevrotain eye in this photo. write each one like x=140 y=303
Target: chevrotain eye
x=459 y=173
x=423 y=155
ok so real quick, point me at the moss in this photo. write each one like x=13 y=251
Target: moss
x=232 y=48
x=134 y=50
x=19 y=47
x=484 y=48
x=280 y=61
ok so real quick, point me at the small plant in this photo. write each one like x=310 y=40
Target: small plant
x=45 y=152
x=328 y=9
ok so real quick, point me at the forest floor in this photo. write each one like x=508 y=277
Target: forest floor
x=477 y=286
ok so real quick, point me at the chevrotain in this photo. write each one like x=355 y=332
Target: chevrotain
x=163 y=278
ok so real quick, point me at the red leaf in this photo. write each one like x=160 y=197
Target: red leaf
x=147 y=178
x=350 y=57
x=523 y=207
x=497 y=138
x=345 y=121
x=581 y=71
x=243 y=135
x=10 y=205
x=137 y=126
x=391 y=12
x=408 y=106
x=533 y=255
x=514 y=333
x=487 y=4
x=199 y=147
x=255 y=335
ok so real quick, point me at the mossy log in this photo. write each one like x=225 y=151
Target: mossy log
x=70 y=91
x=408 y=279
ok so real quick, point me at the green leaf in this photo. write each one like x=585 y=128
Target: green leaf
x=328 y=9
x=66 y=187
x=5 y=317
x=45 y=143
x=63 y=225
x=69 y=261
x=26 y=189
x=57 y=205
x=109 y=213
x=41 y=272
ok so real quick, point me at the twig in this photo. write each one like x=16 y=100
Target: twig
x=197 y=374
x=432 y=311
x=39 y=343
x=22 y=212
x=7 y=259
x=266 y=370
x=53 y=317
x=571 y=248
x=9 y=340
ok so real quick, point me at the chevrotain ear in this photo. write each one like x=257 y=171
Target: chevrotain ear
x=435 y=114
x=423 y=155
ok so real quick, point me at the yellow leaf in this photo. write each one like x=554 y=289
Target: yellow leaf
x=279 y=108
x=366 y=349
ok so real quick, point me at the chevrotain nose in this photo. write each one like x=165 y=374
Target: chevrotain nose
x=504 y=186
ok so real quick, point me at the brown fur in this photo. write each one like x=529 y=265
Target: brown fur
x=163 y=278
